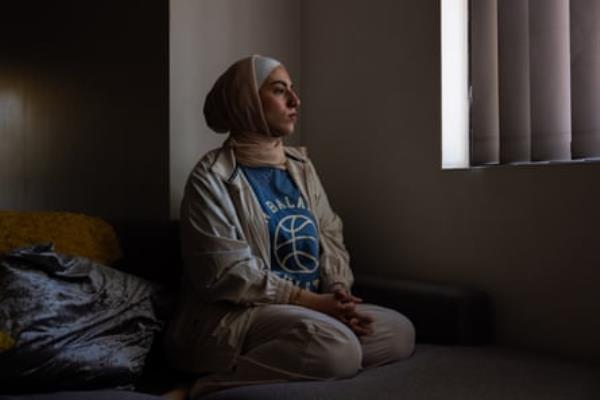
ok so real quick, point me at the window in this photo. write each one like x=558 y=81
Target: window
x=455 y=82
x=527 y=77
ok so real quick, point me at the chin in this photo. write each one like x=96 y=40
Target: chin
x=282 y=131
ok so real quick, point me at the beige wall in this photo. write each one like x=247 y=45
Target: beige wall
x=371 y=118
x=206 y=37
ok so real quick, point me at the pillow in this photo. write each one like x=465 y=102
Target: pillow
x=6 y=342
x=73 y=234
x=76 y=324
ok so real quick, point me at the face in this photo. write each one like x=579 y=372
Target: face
x=279 y=102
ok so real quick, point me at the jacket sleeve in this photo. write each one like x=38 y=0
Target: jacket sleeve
x=334 y=259
x=218 y=261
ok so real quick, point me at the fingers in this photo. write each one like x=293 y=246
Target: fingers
x=341 y=305
x=347 y=307
x=355 y=299
x=364 y=317
x=360 y=323
x=344 y=296
x=360 y=327
x=329 y=304
x=342 y=310
x=340 y=294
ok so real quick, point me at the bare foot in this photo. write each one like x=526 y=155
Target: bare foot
x=180 y=393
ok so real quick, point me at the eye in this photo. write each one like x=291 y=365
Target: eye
x=278 y=90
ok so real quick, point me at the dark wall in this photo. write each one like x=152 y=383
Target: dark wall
x=84 y=107
x=527 y=235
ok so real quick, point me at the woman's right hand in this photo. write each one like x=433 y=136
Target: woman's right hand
x=327 y=303
x=339 y=307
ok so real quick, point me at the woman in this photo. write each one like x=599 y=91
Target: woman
x=266 y=288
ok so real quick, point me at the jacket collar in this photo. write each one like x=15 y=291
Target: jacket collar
x=225 y=165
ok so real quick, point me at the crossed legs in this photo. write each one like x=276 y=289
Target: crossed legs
x=287 y=342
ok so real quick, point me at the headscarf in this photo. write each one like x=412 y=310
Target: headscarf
x=233 y=105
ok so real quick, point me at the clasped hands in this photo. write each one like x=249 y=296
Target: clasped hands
x=340 y=304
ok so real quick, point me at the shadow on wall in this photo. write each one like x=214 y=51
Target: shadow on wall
x=85 y=107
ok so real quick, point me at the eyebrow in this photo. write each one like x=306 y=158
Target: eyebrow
x=281 y=83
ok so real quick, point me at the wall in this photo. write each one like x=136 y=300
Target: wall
x=206 y=37
x=84 y=107
x=371 y=119
x=83 y=126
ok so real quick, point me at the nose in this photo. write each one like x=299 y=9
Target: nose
x=293 y=99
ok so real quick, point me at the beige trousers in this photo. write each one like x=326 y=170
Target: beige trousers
x=287 y=342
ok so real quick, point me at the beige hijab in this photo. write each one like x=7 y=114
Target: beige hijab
x=233 y=105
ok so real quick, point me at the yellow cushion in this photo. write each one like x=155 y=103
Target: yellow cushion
x=72 y=234
x=6 y=342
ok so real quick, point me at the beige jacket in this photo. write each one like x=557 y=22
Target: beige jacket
x=226 y=252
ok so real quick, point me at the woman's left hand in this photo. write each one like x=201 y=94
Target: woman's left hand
x=360 y=323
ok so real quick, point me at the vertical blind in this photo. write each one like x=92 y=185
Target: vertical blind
x=535 y=80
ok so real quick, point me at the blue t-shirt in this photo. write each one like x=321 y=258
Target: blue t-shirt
x=292 y=226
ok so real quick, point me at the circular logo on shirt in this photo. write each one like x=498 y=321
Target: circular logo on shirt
x=294 y=236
